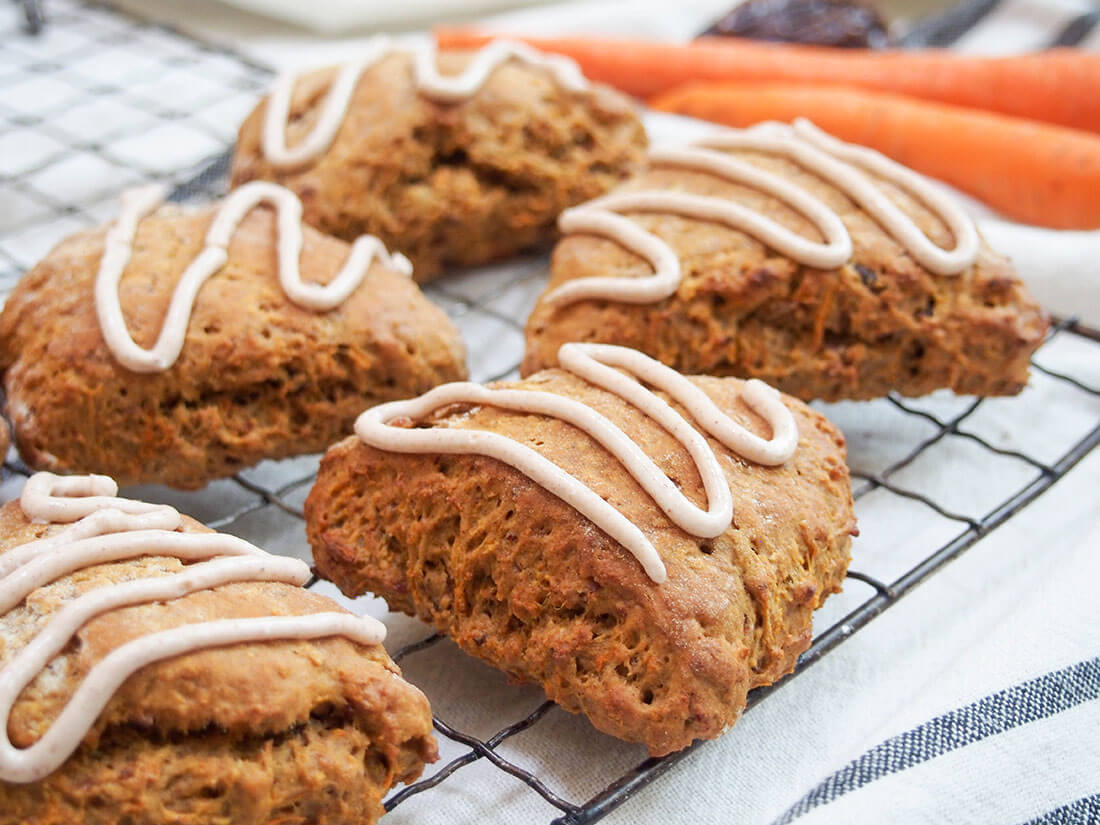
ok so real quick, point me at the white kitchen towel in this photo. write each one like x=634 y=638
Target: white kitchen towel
x=332 y=16
x=1030 y=731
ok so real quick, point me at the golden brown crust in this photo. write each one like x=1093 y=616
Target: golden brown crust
x=258 y=377
x=521 y=580
x=251 y=732
x=879 y=323
x=452 y=184
x=317 y=774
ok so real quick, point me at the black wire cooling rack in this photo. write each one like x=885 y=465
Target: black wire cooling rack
x=97 y=101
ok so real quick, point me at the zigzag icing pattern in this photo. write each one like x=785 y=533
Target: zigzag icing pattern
x=429 y=82
x=105 y=529
x=118 y=249
x=596 y=363
x=841 y=164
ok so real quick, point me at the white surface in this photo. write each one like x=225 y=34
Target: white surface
x=339 y=15
x=280 y=45
x=1062 y=269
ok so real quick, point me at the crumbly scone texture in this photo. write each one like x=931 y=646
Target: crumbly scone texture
x=520 y=579
x=452 y=184
x=880 y=323
x=259 y=377
x=287 y=732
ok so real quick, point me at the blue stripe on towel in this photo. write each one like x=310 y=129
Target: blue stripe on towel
x=1039 y=698
x=942 y=30
x=1077 y=29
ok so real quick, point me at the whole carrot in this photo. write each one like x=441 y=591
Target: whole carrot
x=1057 y=86
x=1033 y=172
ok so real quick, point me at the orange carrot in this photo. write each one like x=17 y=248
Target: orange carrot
x=1033 y=172
x=1057 y=86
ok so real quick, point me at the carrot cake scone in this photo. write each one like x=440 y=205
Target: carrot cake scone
x=781 y=253
x=647 y=557
x=154 y=672
x=180 y=346
x=454 y=159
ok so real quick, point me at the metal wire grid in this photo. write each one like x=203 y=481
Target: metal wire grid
x=97 y=102
x=264 y=504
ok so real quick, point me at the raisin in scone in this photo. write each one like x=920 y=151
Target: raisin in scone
x=783 y=254
x=155 y=672
x=455 y=159
x=180 y=346
x=650 y=599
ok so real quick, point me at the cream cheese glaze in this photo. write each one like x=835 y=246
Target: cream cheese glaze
x=118 y=249
x=429 y=82
x=841 y=164
x=105 y=528
x=596 y=364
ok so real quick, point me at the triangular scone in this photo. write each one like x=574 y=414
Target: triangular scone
x=273 y=728
x=877 y=321
x=521 y=579
x=451 y=179
x=258 y=376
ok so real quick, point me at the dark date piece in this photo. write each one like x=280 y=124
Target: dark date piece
x=821 y=22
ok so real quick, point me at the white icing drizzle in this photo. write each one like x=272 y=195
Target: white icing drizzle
x=118 y=248
x=882 y=209
x=429 y=82
x=837 y=162
x=106 y=529
x=596 y=363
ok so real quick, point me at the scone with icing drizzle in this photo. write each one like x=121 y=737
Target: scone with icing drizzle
x=180 y=346
x=781 y=253
x=646 y=547
x=154 y=671
x=454 y=159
